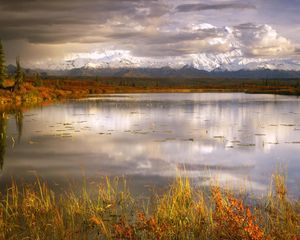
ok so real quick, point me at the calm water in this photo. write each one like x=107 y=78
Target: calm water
x=236 y=138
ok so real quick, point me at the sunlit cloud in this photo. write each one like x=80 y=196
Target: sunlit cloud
x=148 y=33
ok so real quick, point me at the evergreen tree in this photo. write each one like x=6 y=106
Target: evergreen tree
x=38 y=81
x=19 y=75
x=23 y=76
x=2 y=65
x=57 y=84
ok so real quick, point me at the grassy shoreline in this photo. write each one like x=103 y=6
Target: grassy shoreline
x=34 y=211
x=57 y=90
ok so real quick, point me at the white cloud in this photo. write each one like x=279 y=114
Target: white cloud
x=262 y=40
x=202 y=45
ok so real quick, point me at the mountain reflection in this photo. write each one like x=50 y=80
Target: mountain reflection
x=232 y=136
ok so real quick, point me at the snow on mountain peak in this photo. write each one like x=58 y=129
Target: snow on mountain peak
x=232 y=48
x=202 y=26
x=231 y=61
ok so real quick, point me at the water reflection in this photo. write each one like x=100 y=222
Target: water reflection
x=4 y=118
x=3 y=126
x=150 y=136
x=19 y=122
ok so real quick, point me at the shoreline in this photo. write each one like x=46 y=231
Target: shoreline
x=36 y=211
x=181 y=212
x=58 y=91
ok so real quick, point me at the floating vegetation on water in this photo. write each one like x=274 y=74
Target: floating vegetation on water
x=138 y=132
x=168 y=131
x=272 y=143
x=32 y=142
x=188 y=139
x=170 y=139
x=221 y=137
x=246 y=144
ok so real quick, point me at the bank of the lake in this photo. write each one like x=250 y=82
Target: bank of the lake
x=148 y=138
x=30 y=95
x=181 y=212
x=55 y=90
x=240 y=137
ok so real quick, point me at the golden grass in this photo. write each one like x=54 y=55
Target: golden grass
x=36 y=212
x=52 y=90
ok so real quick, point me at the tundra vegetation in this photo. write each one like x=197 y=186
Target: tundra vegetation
x=35 y=87
x=35 y=211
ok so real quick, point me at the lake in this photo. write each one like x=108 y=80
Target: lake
x=234 y=138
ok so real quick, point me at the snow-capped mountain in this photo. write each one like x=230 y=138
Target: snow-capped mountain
x=234 y=62
x=231 y=50
x=230 y=61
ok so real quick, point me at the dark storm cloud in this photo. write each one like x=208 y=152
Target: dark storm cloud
x=246 y=26
x=166 y=43
x=165 y=37
x=170 y=50
x=70 y=21
x=91 y=21
x=69 y=5
x=57 y=29
x=219 y=6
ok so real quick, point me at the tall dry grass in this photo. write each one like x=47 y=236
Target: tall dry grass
x=36 y=212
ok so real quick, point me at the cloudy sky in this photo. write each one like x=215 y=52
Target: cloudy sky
x=44 y=32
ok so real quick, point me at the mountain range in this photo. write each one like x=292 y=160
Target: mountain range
x=121 y=64
x=230 y=61
x=184 y=72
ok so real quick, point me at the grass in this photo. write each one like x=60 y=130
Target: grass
x=35 y=212
x=60 y=88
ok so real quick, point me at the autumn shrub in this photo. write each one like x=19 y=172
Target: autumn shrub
x=34 y=211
